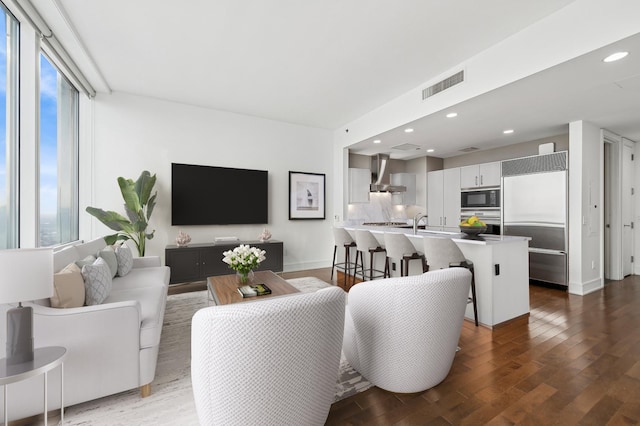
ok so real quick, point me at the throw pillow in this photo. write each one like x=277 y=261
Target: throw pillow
x=86 y=261
x=109 y=256
x=68 y=288
x=125 y=259
x=97 y=282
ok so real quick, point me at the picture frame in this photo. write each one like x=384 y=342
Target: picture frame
x=307 y=196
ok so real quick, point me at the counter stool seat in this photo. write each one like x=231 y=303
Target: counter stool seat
x=366 y=242
x=343 y=239
x=445 y=253
x=399 y=247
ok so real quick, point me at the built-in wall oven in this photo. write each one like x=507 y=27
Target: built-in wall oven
x=486 y=198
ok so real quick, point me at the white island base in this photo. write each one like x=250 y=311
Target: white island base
x=501 y=266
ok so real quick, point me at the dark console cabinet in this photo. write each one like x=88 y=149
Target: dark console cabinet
x=199 y=261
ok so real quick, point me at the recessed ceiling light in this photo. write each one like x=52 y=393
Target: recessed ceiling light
x=508 y=132
x=452 y=114
x=408 y=130
x=615 y=56
x=377 y=141
x=430 y=150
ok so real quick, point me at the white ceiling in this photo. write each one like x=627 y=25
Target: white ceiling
x=326 y=63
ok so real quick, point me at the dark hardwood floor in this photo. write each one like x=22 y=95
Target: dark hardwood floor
x=574 y=360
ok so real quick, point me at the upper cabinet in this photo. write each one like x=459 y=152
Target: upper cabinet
x=408 y=180
x=480 y=175
x=359 y=180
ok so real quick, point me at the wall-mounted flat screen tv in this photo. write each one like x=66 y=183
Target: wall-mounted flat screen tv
x=207 y=195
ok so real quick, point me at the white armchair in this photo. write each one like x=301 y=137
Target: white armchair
x=268 y=362
x=402 y=333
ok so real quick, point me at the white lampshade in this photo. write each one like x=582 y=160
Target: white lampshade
x=27 y=274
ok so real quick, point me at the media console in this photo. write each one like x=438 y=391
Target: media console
x=196 y=262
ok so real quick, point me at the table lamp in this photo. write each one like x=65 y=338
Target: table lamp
x=27 y=274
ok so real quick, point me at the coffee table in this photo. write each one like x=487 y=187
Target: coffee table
x=223 y=289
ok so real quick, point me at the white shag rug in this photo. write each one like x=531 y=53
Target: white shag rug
x=171 y=401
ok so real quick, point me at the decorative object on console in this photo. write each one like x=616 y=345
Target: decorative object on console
x=306 y=195
x=139 y=204
x=183 y=239
x=265 y=235
x=28 y=275
x=244 y=259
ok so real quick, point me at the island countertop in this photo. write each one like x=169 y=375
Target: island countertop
x=501 y=265
x=458 y=237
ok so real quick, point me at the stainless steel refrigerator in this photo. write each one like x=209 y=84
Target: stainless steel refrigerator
x=534 y=200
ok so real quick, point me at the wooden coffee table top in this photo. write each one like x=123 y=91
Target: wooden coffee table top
x=224 y=288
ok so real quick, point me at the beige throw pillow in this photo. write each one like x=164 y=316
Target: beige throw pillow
x=68 y=288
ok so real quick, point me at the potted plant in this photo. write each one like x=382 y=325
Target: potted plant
x=138 y=205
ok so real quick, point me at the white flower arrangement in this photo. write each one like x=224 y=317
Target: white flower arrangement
x=243 y=258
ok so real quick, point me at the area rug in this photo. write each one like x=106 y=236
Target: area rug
x=171 y=401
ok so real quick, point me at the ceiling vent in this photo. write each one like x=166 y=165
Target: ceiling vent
x=469 y=149
x=443 y=85
x=406 y=147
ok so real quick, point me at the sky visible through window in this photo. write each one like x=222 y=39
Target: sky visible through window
x=48 y=138
x=3 y=118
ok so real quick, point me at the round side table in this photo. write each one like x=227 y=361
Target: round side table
x=44 y=360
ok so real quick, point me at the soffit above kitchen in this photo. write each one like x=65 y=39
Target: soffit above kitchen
x=319 y=64
x=536 y=107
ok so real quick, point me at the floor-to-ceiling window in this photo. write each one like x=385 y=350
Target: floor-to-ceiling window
x=58 y=156
x=8 y=130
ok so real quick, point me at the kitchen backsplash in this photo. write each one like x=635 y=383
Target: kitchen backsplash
x=379 y=209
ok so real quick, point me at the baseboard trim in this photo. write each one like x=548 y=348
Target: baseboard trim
x=582 y=289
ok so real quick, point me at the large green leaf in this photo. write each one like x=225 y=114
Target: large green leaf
x=144 y=186
x=151 y=205
x=112 y=219
x=131 y=200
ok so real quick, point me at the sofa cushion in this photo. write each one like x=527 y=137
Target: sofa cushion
x=125 y=259
x=90 y=248
x=155 y=276
x=109 y=256
x=68 y=288
x=152 y=302
x=64 y=257
x=97 y=282
x=88 y=260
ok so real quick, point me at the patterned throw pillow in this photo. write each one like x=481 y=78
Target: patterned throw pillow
x=68 y=288
x=109 y=256
x=97 y=282
x=125 y=259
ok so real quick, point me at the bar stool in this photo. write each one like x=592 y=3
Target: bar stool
x=444 y=253
x=365 y=241
x=399 y=247
x=342 y=238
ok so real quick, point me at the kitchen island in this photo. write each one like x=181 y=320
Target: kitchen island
x=501 y=266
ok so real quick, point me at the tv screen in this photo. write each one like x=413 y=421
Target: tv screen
x=206 y=195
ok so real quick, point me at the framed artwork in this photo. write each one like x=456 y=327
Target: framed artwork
x=306 y=196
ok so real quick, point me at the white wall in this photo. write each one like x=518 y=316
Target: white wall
x=585 y=231
x=133 y=133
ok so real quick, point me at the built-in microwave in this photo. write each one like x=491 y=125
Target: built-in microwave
x=481 y=198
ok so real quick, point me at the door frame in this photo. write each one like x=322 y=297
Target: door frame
x=612 y=185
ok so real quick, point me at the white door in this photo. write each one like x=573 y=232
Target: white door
x=627 y=208
x=469 y=176
x=490 y=174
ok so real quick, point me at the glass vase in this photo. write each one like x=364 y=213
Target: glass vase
x=244 y=278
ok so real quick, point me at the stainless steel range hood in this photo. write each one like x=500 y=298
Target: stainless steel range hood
x=380 y=177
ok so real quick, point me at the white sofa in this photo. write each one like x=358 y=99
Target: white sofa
x=111 y=347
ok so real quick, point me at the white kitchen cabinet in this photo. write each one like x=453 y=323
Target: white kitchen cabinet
x=359 y=181
x=408 y=180
x=480 y=175
x=443 y=198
